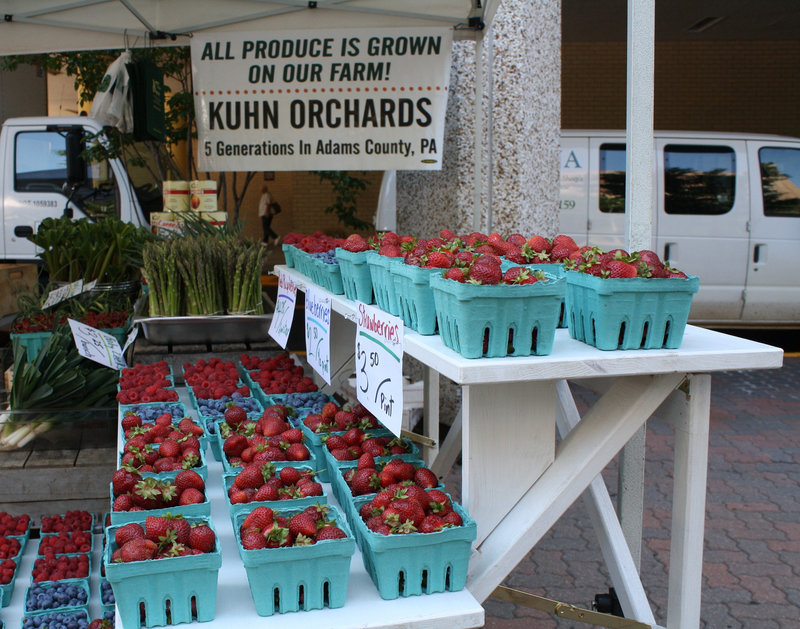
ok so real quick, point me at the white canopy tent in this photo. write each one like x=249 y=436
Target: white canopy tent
x=31 y=26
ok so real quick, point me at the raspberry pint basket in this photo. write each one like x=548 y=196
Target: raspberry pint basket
x=629 y=313
x=356 y=277
x=168 y=589
x=296 y=578
x=487 y=321
x=383 y=285
x=417 y=563
x=415 y=297
x=288 y=254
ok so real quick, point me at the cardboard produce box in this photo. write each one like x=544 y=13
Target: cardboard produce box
x=15 y=279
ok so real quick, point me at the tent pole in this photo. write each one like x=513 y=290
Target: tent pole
x=477 y=178
x=639 y=200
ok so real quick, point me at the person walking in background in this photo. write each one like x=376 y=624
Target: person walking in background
x=267 y=208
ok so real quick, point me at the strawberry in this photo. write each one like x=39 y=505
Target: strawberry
x=252 y=476
x=302 y=524
x=485 y=274
x=189 y=478
x=439 y=260
x=330 y=532
x=260 y=518
x=265 y=493
x=355 y=243
x=425 y=478
x=157 y=529
x=131 y=420
x=297 y=452
x=234 y=445
x=123 y=480
x=620 y=269
x=253 y=540
x=191 y=496
x=455 y=273
x=169 y=448
x=289 y=475
x=310 y=489
x=139 y=549
x=100 y=623
x=431 y=524
x=234 y=415
x=390 y=251
x=202 y=538
x=125 y=533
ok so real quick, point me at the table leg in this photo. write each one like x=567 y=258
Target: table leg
x=689 y=414
x=581 y=456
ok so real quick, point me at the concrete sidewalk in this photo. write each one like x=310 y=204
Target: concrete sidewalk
x=751 y=575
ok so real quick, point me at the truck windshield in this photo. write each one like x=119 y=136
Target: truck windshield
x=40 y=166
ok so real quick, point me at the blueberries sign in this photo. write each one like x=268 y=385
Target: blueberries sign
x=357 y=99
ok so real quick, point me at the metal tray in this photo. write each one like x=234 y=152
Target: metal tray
x=209 y=329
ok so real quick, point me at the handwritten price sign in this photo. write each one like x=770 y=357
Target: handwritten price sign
x=282 y=318
x=96 y=345
x=318 y=330
x=379 y=365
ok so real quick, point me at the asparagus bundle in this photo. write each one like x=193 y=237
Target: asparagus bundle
x=244 y=277
x=163 y=279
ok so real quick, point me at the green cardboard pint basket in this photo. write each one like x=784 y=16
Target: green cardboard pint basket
x=629 y=313
x=356 y=276
x=383 y=285
x=417 y=563
x=415 y=297
x=165 y=587
x=299 y=578
x=487 y=321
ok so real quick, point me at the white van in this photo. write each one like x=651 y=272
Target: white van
x=727 y=209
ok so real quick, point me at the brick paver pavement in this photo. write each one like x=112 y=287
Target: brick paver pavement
x=751 y=575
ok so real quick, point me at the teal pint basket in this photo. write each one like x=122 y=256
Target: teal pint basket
x=165 y=587
x=329 y=276
x=383 y=286
x=488 y=321
x=7 y=589
x=356 y=276
x=415 y=297
x=629 y=313
x=417 y=563
x=299 y=578
x=288 y=254
x=551 y=268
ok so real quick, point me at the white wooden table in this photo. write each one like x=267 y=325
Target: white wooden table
x=511 y=409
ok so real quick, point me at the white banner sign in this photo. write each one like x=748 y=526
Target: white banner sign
x=318 y=332
x=355 y=99
x=97 y=345
x=379 y=365
x=281 y=325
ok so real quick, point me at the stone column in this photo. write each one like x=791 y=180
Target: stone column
x=522 y=103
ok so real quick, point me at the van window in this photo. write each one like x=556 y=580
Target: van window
x=699 y=179
x=780 y=181
x=612 y=178
x=40 y=162
x=40 y=165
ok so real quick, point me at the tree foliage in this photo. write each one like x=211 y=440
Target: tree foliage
x=346 y=188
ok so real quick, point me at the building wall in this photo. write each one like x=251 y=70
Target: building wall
x=521 y=104
x=23 y=92
x=743 y=86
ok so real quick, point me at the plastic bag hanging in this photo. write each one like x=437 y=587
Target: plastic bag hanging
x=112 y=103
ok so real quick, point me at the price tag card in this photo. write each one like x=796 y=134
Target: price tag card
x=281 y=324
x=318 y=332
x=379 y=365
x=96 y=345
x=63 y=292
x=131 y=338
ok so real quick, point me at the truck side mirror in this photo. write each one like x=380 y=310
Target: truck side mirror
x=76 y=165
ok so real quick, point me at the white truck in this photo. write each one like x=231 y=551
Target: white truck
x=44 y=176
x=726 y=208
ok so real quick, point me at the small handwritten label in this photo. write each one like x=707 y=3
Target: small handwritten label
x=318 y=329
x=379 y=365
x=281 y=325
x=63 y=292
x=96 y=345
